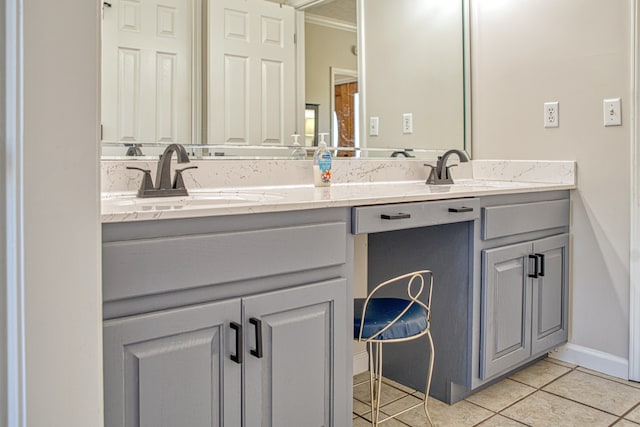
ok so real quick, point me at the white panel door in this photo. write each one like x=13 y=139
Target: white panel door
x=251 y=75
x=146 y=71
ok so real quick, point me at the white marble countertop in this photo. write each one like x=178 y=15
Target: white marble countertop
x=125 y=207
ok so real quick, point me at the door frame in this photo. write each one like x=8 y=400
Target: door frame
x=634 y=255
x=12 y=289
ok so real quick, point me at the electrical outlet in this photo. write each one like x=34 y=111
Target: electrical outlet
x=407 y=123
x=373 y=126
x=551 y=115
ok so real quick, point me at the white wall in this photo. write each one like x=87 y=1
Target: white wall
x=414 y=64
x=576 y=52
x=325 y=47
x=61 y=213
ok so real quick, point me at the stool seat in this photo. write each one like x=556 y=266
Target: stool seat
x=382 y=311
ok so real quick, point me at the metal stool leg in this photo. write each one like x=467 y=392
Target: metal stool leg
x=375 y=381
x=429 y=374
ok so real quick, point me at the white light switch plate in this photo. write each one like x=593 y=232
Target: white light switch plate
x=374 y=123
x=612 y=112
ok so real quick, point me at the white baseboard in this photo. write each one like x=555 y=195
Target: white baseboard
x=360 y=362
x=593 y=359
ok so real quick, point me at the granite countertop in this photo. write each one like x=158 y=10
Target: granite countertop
x=480 y=179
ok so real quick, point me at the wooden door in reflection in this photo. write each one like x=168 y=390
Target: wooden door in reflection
x=345 y=116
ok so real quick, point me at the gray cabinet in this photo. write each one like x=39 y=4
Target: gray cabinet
x=524 y=302
x=204 y=326
x=172 y=368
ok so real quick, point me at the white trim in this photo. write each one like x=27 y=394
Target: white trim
x=362 y=75
x=592 y=359
x=301 y=104
x=634 y=256
x=325 y=21
x=12 y=194
x=196 y=72
x=360 y=362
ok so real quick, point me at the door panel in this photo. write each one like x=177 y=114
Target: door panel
x=146 y=71
x=172 y=368
x=252 y=57
x=550 y=323
x=293 y=383
x=506 y=325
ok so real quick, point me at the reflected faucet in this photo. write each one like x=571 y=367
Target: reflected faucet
x=164 y=185
x=404 y=153
x=440 y=174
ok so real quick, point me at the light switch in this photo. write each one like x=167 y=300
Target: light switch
x=373 y=126
x=612 y=112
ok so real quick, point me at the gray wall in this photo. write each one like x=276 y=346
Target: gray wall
x=3 y=234
x=577 y=52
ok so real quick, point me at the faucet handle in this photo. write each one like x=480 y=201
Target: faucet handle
x=178 y=181
x=147 y=181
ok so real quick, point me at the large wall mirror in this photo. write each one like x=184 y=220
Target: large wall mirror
x=237 y=78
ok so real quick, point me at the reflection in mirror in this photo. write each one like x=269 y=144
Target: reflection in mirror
x=226 y=79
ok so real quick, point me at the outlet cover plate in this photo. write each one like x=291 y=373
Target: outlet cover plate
x=551 y=115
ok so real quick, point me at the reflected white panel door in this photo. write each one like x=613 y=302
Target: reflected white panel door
x=251 y=75
x=146 y=71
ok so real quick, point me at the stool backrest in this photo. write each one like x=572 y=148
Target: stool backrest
x=413 y=294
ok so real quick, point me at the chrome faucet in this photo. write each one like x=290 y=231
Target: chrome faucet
x=164 y=185
x=440 y=173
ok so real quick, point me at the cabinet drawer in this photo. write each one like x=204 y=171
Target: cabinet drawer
x=499 y=221
x=152 y=266
x=373 y=219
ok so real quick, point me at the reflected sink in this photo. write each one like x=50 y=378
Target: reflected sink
x=196 y=198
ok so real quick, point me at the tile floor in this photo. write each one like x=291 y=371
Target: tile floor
x=549 y=393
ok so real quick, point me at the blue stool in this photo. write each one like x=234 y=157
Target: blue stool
x=388 y=320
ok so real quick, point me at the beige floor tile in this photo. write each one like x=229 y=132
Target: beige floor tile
x=500 y=421
x=461 y=414
x=389 y=393
x=399 y=386
x=595 y=391
x=561 y=363
x=360 y=422
x=609 y=377
x=361 y=378
x=544 y=410
x=625 y=423
x=634 y=415
x=500 y=395
x=540 y=374
x=361 y=408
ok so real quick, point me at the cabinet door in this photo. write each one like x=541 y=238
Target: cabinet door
x=506 y=320
x=301 y=378
x=172 y=368
x=549 y=321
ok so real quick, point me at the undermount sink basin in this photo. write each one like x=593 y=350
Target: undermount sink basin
x=195 y=198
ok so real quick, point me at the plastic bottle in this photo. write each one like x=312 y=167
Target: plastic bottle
x=298 y=152
x=322 y=164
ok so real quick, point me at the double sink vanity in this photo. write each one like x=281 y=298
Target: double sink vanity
x=233 y=305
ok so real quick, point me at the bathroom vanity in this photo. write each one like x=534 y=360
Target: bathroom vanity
x=223 y=311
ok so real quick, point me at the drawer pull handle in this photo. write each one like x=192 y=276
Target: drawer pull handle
x=541 y=271
x=257 y=323
x=536 y=267
x=238 y=356
x=461 y=209
x=396 y=216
